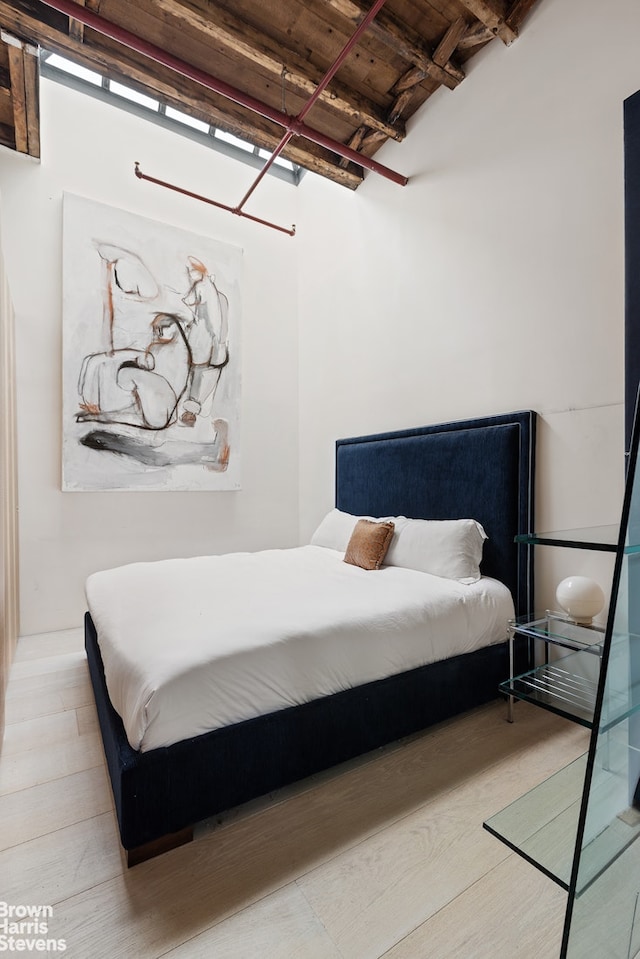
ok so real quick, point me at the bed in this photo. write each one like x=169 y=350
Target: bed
x=481 y=469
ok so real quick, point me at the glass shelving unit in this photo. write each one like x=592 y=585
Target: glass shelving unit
x=580 y=827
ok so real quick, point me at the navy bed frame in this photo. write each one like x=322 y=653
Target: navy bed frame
x=480 y=468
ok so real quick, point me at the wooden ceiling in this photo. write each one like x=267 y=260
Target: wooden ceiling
x=250 y=66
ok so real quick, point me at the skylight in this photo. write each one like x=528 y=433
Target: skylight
x=121 y=91
x=234 y=141
x=60 y=63
x=62 y=70
x=186 y=119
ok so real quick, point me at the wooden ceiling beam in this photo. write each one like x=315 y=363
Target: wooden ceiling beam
x=408 y=80
x=488 y=14
x=6 y=136
x=370 y=142
x=76 y=29
x=120 y=64
x=31 y=60
x=18 y=95
x=474 y=36
x=23 y=72
x=449 y=43
x=402 y=41
x=404 y=87
x=518 y=12
x=6 y=107
x=402 y=102
x=244 y=42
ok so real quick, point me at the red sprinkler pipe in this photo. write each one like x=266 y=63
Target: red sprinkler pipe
x=222 y=206
x=324 y=82
x=153 y=52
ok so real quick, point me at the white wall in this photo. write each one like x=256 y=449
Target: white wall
x=494 y=280
x=89 y=148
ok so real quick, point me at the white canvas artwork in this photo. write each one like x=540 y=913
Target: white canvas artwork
x=151 y=354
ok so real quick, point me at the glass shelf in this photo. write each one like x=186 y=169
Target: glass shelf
x=541 y=826
x=599 y=538
x=563 y=687
x=603 y=538
x=557 y=629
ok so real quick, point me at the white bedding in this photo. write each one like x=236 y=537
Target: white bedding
x=190 y=645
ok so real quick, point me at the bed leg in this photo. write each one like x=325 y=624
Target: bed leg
x=155 y=848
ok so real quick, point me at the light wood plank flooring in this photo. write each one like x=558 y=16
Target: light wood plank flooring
x=385 y=856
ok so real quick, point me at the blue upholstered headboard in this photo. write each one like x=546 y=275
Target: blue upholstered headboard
x=480 y=469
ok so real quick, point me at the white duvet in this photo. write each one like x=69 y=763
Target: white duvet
x=190 y=645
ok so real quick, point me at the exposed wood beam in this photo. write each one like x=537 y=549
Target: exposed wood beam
x=450 y=41
x=113 y=60
x=245 y=42
x=6 y=135
x=23 y=73
x=401 y=103
x=18 y=95
x=31 y=60
x=518 y=12
x=371 y=142
x=491 y=17
x=474 y=36
x=6 y=107
x=355 y=142
x=415 y=75
x=404 y=42
x=408 y=80
x=76 y=29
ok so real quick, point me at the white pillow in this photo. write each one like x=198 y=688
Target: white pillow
x=451 y=548
x=336 y=528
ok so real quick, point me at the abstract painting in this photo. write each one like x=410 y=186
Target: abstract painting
x=151 y=364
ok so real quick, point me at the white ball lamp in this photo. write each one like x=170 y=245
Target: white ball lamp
x=581 y=598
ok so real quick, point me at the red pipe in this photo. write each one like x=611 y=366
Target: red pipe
x=153 y=52
x=221 y=206
x=324 y=82
x=276 y=153
x=342 y=56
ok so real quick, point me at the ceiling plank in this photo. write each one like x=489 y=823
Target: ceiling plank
x=243 y=41
x=403 y=41
x=488 y=14
x=124 y=65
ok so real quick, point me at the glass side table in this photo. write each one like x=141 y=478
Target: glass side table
x=566 y=685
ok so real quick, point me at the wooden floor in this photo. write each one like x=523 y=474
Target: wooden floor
x=384 y=857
